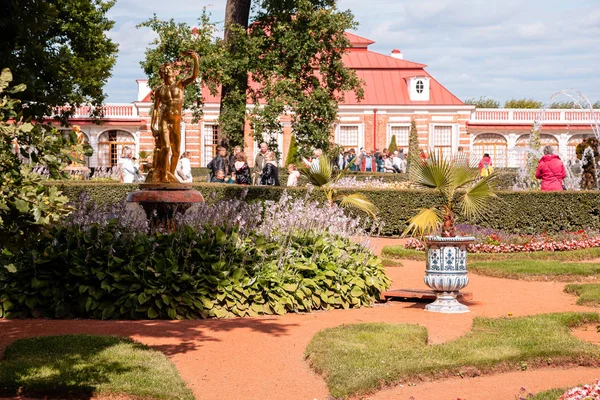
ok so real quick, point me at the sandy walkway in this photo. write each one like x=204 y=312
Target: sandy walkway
x=263 y=358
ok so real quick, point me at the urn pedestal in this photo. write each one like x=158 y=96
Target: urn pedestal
x=446 y=272
x=162 y=202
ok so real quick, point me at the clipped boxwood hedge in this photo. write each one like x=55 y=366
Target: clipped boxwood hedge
x=506 y=177
x=514 y=212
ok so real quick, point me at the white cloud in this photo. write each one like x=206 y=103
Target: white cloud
x=501 y=49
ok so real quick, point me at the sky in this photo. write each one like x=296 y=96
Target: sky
x=498 y=49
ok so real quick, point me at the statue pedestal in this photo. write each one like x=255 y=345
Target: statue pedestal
x=163 y=201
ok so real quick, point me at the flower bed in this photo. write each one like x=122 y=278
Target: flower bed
x=586 y=392
x=493 y=241
x=230 y=258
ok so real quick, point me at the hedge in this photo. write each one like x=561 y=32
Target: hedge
x=506 y=177
x=514 y=212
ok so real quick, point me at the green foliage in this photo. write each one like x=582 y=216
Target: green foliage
x=392 y=147
x=532 y=159
x=413 y=149
x=460 y=188
x=293 y=52
x=541 y=269
x=321 y=175
x=59 y=50
x=86 y=366
x=399 y=252
x=562 y=104
x=361 y=358
x=483 y=102
x=298 y=66
x=27 y=205
x=523 y=103
x=113 y=273
x=292 y=155
x=588 y=294
x=596 y=105
x=175 y=38
x=526 y=212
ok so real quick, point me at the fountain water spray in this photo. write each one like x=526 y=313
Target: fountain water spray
x=572 y=181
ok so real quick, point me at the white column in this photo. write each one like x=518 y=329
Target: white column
x=563 y=142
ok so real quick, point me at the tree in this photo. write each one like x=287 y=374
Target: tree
x=321 y=175
x=563 y=104
x=413 y=149
x=459 y=188
x=27 y=206
x=392 y=146
x=295 y=49
x=232 y=115
x=292 y=155
x=596 y=105
x=523 y=103
x=483 y=102
x=60 y=52
x=533 y=156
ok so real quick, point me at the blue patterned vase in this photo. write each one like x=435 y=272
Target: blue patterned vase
x=446 y=271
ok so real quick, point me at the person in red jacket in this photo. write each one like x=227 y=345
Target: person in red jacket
x=551 y=170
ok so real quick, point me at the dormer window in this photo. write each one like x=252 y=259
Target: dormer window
x=420 y=86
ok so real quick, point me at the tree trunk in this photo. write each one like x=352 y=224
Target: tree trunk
x=233 y=95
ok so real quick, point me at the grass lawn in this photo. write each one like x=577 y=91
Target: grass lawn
x=552 y=394
x=519 y=269
x=84 y=365
x=589 y=294
x=574 y=255
x=390 y=263
x=359 y=359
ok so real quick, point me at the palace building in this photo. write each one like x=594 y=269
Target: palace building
x=396 y=92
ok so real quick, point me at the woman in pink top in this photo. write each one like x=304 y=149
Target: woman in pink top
x=551 y=170
x=293 y=176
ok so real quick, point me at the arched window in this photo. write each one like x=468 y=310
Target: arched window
x=110 y=146
x=523 y=142
x=493 y=144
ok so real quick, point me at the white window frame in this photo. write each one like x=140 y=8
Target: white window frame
x=388 y=134
x=361 y=134
x=453 y=139
x=203 y=161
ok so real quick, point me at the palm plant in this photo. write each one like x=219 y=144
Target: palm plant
x=459 y=188
x=322 y=175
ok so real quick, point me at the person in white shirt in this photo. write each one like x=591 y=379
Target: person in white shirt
x=126 y=166
x=184 y=168
x=397 y=162
x=293 y=176
x=388 y=165
x=315 y=160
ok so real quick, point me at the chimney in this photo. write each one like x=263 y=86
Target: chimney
x=143 y=89
x=397 y=54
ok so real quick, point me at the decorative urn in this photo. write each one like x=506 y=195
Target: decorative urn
x=446 y=271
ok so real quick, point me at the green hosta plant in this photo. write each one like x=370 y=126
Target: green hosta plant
x=322 y=176
x=110 y=272
x=460 y=188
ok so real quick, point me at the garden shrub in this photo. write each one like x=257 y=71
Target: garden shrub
x=227 y=260
x=527 y=212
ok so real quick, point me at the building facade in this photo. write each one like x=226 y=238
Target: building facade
x=396 y=92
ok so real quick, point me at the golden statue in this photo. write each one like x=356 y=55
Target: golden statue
x=80 y=140
x=165 y=122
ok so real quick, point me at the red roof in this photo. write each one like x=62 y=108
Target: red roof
x=385 y=79
x=358 y=41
